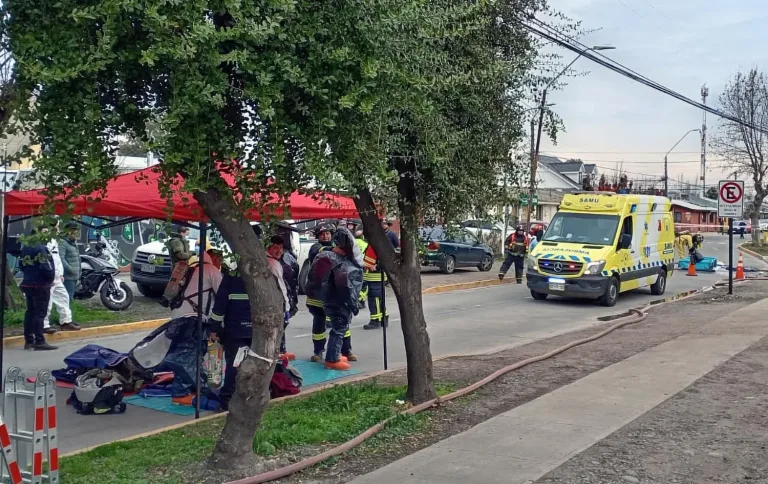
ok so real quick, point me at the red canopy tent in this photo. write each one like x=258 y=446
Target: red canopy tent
x=137 y=194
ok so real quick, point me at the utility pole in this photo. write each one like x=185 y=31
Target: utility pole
x=704 y=94
x=534 y=163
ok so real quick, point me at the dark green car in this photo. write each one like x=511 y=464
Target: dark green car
x=453 y=248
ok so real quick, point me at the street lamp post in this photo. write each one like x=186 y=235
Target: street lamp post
x=542 y=107
x=666 y=176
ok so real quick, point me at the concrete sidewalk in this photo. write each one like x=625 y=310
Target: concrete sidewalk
x=525 y=443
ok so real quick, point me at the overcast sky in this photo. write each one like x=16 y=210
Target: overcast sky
x=681 y=44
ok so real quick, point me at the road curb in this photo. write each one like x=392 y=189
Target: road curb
x=753 y=253
x=466 y=285
x=94 y=332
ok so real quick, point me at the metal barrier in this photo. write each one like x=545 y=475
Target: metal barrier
x=31 y=429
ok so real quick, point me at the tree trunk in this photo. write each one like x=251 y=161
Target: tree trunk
x=234 y=448
x=405 y=276
x=757 y=204
x=421 y=385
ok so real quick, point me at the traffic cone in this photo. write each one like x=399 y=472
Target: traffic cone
x=740 y=267
x=691 y=267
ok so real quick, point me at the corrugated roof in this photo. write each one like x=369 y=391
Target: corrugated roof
x=567 y=167
x=693 y=206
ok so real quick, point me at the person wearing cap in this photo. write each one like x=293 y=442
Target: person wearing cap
x=59 y=294
x=337 y=276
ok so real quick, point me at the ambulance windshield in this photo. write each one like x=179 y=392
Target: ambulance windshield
x=582 y=228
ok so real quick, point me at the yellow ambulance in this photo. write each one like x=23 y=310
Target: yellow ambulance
x=600 y=244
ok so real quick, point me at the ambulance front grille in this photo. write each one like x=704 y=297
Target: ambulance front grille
x=559 y=267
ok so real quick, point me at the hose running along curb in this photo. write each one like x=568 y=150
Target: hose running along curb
x=639 y=315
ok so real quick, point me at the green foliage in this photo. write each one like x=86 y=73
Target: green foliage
x=80 y=314
x=330 y=416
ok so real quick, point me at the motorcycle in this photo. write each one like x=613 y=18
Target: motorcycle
x=99 y=270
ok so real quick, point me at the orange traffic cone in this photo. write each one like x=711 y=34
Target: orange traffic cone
x=691 y=268
x=740 y=267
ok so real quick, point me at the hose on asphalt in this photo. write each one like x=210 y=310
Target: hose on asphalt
x=638 y=316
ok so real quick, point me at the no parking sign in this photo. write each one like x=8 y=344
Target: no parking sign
x=730 y=199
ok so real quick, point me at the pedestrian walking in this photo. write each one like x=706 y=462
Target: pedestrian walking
x=39 y=272
x=59 y=294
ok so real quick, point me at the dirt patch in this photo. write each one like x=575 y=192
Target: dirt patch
x=714 y=431
x=663 y=324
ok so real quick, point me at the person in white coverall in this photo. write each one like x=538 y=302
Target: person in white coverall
x=59 y=294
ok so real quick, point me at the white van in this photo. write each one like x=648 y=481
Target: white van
x=151 y=263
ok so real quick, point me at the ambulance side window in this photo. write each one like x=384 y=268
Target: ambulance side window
x=626 y=227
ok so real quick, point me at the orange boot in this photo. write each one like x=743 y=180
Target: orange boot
x=288 y=355
x=339 y=365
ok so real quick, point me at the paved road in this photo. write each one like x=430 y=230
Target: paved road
x=460 y=322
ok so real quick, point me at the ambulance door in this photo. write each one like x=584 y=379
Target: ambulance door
x=627 y=257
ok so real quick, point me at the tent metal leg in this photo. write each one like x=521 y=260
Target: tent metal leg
x=384 y=318
x=200 y=306
x=3 y=272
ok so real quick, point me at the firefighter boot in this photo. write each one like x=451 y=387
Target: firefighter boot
x=338 y=365
x=372 y=325
x=317 y=358
x=349 y=356
x=519 y=280
x=501 y=276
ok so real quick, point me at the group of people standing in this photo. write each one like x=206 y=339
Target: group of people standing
x=51 y=272
x=344 y=273
x=225 y=300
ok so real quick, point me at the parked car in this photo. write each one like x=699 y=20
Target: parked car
x=449 y=248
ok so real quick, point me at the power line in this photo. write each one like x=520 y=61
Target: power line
x=622 y=152
x=627 y=72
x=638 y=162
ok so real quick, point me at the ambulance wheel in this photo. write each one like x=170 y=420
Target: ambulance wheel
x=449 y=266
x=539 y=296
x=658 y=287
x=611 y=294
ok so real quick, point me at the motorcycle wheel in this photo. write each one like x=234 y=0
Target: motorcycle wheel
x=118 y=300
